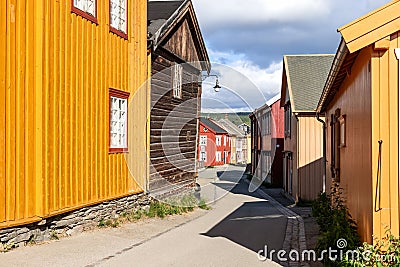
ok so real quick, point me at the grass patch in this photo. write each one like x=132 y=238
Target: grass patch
x=5 y=247
x=176 y=205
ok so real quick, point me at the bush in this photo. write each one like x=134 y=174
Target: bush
x=335 y=223
x=385 y=252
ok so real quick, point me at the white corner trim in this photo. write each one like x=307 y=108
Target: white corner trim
x=397 y=53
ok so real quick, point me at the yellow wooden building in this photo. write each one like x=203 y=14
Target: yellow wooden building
x=361 y=103
x=71 y=107
x=303 y=80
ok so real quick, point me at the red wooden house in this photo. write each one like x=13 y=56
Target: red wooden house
x=267 y=124
x=214 y=144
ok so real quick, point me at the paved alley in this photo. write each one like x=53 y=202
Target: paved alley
x=238 y=226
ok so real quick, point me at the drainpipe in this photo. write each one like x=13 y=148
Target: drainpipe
x=323 y=151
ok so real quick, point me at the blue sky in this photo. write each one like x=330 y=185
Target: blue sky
x=246 y=41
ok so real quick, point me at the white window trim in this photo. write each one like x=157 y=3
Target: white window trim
x=177 y=71
x=202 y=138
x=119 y=15
x=205 y=156
x=86 y=6
x=218 y=140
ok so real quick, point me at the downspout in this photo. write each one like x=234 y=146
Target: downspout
x=323 y=151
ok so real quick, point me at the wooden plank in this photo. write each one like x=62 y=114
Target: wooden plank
x=3 y=109
x=393 y=135
x=10 y=112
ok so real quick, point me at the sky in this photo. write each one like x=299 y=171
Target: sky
x=246 y=41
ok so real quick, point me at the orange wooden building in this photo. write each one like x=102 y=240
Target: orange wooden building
x=361 y=103
x=72 y=111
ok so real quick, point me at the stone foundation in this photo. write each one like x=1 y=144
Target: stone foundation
x=72 y=222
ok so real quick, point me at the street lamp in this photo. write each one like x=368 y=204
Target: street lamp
x=217 y=87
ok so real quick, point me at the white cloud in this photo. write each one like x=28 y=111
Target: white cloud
x=241 y=12
x=245 y=84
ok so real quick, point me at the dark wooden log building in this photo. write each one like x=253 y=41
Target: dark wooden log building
x=178 y=58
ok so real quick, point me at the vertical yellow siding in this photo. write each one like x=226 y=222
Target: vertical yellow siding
x=385 y=127
x=310 y=136
x=310 y=157
x=55 y=77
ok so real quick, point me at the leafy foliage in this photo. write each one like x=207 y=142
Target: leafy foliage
x=385 y=252
x=335 y=223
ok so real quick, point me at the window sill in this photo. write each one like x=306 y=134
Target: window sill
x=85 y=15
x=117 y=150
x=119 y=33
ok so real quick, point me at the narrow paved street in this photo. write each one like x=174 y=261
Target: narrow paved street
x=238 y=226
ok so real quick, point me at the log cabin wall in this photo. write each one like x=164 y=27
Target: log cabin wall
x=172 y=143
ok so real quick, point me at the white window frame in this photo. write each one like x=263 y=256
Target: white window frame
x=203 y=140
x=118 y=125
x=218 y=140
x=176 y=73
x=218 y=156
x=85 y=8
x=203 y=156
x=119 y=17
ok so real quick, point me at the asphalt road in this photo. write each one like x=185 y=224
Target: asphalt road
x=239 y=225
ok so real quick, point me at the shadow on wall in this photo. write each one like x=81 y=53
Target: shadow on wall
x=311 y=180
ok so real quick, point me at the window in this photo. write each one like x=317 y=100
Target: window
x=119 y=17
x=218 y=156
x=288 y=120
x=118 y=121
x=218 y=140
x=335 y=144
x=85 y=8
x=203 y=140
x=177 y=80
x=203 y=156
x=269 y=126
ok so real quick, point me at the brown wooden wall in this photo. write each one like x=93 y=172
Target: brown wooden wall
x=172 y=139
x=354 y=100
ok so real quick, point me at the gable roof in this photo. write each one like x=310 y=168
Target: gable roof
x=231 y=128
x=362 y=32
x=212 y=126
x=304 y=76
x=162 y=18
x=372 y=27
x=273 y=100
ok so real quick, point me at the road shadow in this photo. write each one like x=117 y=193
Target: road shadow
x=253 y=225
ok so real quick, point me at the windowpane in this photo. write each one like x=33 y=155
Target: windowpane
x=118 y=15
x=87 y=6
x=177 y=80
x=118 y=121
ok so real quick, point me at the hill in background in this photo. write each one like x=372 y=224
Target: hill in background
x=236 y=118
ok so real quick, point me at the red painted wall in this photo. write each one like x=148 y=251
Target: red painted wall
x=278 y=114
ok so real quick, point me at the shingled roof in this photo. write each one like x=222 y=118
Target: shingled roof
x=158 y=12
x=231 y=128
x=212 y=126
x=305 y=78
